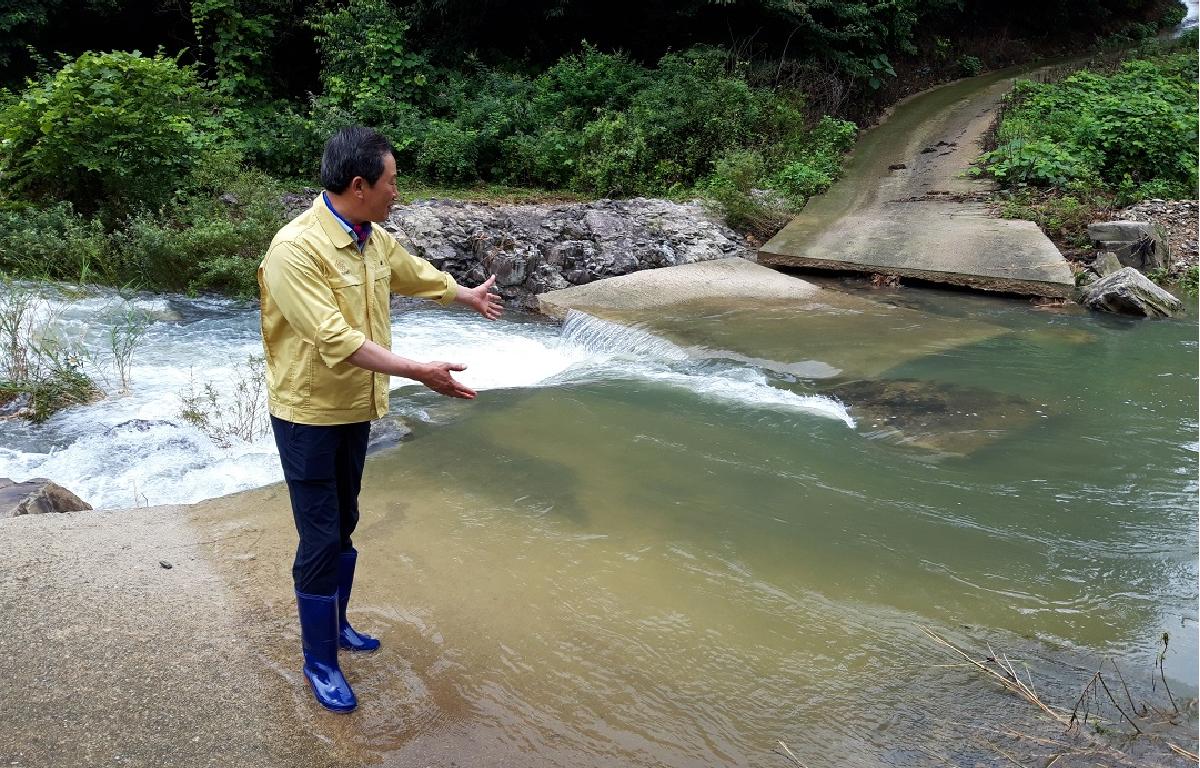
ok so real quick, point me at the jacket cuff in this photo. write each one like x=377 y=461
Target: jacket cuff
x=337 y=344
x=451 y=291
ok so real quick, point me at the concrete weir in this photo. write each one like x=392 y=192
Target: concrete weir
x=906 y=205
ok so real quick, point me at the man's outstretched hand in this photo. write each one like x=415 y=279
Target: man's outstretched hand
x=481 y=299
x=436 y=376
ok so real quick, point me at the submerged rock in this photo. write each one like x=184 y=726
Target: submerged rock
x=37 y=496
x=1129 y=292
x=947 y=419
x=387 y=432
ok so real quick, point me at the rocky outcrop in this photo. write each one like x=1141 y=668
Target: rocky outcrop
x=1129 y=292
x=36 y=496
x=536 y=248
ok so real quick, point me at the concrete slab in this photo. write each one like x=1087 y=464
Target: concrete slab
x=738 y=310
x=905 y=205
x=648 y=288
x=943 y=242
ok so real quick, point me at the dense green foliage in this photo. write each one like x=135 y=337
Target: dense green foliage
x=210 y=237
x=108 y=129
x=161 y=170
x=1132 y=131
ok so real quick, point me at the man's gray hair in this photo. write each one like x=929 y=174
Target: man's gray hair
x=353 y=151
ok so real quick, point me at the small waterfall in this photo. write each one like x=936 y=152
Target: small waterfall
x=616 y=351
x=610 y=339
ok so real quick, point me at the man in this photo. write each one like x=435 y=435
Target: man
x=325 y=285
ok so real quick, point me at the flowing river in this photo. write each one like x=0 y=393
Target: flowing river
x=679 y=543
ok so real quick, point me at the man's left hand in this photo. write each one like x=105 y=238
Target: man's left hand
x=481 y=299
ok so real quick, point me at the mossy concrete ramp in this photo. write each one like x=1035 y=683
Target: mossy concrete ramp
x=908 y=207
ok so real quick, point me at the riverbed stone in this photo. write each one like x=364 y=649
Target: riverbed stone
x=1129 y=292
x=1124 y=231
x=1175 y=220
x=387 y=432
x=37 y=496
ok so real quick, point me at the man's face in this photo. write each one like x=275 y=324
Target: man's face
x=377 y=198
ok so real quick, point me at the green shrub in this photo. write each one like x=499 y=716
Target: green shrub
x=108 y=130
x=447 y=153
x=367 y=65
x=578 y=87
x=1189 y=281
x=238 y=35
x=279 y=139
x=970 y=65
x=547 y=157
x=1132 y=131
x=210 y=239
x=614 y=157
x=800 y=180
x=733 y=186
x=496 y=106
x=37 y=358
x=691 y=110
x=1040 y=162
x=54 y=243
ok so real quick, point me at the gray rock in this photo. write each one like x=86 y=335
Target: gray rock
x=1129 y=292
x=1122 y=231
x=1106 y=263
x=387 y=432
x=1136 y=244
x=537 y=248
x=1145 y=254
x=36 y=496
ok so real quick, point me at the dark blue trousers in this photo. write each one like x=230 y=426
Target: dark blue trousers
x=323 y=466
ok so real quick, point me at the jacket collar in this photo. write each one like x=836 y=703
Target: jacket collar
x=334 y=230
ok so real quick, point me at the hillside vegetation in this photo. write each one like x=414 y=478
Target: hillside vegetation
x=150 y=143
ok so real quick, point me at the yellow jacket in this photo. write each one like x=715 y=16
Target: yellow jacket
x=321 y=298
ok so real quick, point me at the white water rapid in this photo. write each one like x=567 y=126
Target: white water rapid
x=136 y=449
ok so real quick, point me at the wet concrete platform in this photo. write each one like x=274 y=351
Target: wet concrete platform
x=907 y=205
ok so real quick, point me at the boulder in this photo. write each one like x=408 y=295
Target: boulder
x=1135 y=244
x=1124 y=231
x=1129 y=292
x=1106 y=263
x=947 y=419
x=35 y=497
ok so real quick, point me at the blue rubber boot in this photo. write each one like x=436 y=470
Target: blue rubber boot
x=348 y=637
x=319 y=634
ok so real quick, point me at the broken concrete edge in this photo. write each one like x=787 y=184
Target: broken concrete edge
x=1010 y=286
